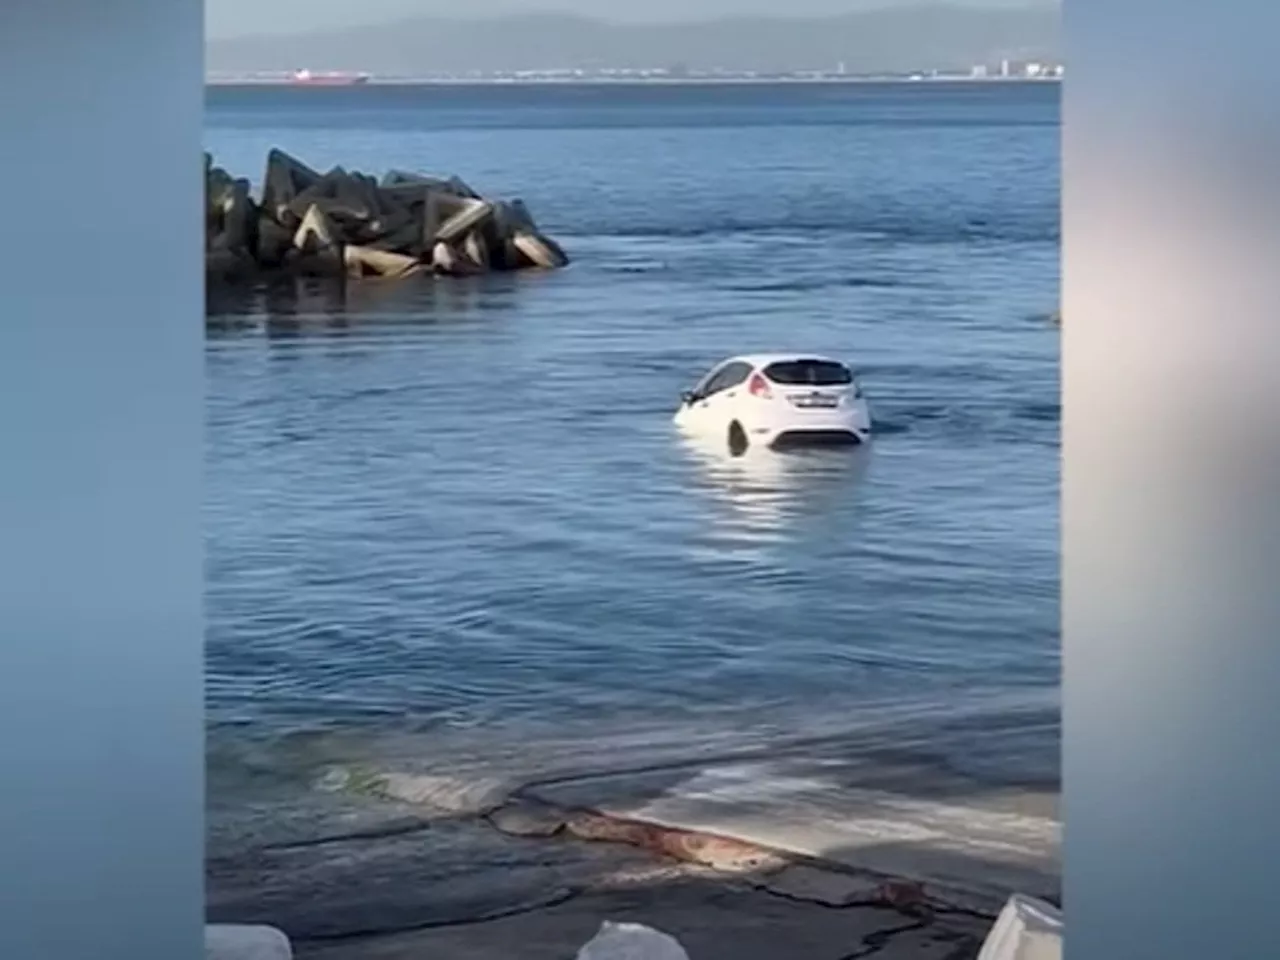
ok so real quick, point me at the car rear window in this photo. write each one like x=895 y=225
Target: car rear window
x=808 y=373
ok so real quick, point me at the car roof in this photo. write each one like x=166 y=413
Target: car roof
x=765 y=359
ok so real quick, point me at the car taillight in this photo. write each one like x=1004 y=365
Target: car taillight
x=759 y=387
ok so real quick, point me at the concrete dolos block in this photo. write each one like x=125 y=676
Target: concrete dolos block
x=220 y=263
x=238 y=217
x=448 y=261
x=316 y=250
x=539 y=251
x=285 y=178
x=400 y=178
x=371 y=262
x=521 y=217
x=471 y=214
x=273 y=242
x=1027 y=929
x=245 y=942
x=459 y=187
x=347 y=222
x=476 y=249
x=315 y=233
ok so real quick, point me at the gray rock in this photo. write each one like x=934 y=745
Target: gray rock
x=245 y=942
x=524 y=819
x=631 y=941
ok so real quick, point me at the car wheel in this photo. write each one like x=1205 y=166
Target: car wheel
x=737 y=439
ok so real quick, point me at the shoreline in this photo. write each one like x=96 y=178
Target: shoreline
x=454 y=844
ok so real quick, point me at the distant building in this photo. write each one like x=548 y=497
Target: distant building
x=979 y=71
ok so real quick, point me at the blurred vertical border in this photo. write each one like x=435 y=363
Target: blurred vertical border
x=100 y=460
x=1171 y=487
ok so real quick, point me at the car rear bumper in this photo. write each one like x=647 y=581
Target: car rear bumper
x=817 y=437
x=827 y=428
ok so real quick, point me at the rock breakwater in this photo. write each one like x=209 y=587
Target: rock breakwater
x=345 y=223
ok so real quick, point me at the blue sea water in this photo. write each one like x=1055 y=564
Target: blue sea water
x=461 y=502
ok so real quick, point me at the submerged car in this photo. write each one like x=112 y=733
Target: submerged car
x=777 y=400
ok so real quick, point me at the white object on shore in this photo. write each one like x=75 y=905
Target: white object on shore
x=233 y=941
x=631 y=941
x=1027 y=929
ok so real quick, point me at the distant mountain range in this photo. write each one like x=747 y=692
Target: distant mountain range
x=893 y=39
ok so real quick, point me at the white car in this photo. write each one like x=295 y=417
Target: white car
x=778 y=399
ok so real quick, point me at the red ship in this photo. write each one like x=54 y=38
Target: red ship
x=331 y=79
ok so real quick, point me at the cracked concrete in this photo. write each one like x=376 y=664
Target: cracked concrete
x=372 y=879
x=712 y=918
x=891 y=841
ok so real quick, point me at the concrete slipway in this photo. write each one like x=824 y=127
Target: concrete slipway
x=892 y=829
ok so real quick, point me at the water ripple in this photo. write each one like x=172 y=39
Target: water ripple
x=442 y=503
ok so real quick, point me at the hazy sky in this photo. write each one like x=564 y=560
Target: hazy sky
x=229 y=18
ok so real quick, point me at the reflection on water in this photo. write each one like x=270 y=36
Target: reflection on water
x=763 y=491
x=288 y=307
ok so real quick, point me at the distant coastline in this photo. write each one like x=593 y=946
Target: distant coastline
x=258 y=81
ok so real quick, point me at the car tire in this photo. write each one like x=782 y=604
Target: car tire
x=738 y=441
